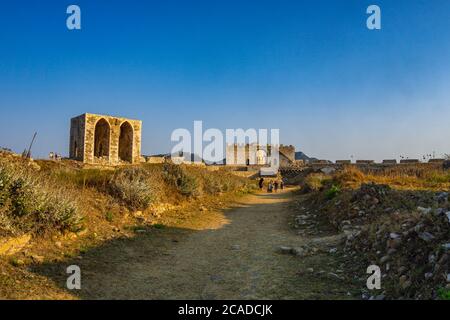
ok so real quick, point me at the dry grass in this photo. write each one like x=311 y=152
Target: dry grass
x=407 y=177
x=57 y=196
x=315 y=182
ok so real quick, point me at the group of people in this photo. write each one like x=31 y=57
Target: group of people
x=54 y=156
x=273 y=185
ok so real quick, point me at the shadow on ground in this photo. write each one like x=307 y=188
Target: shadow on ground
x=237 y=260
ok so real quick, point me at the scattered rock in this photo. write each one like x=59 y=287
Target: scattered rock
x=442 y=197
x=428 y=275
x=11 y=246
x=285 y=250
x=37 y=259
x=394 y=235
x=82 y=232
x=298 y=252
x=402 y=270
x=391 y=251
x=334 y=275
x=424 y=210
x=426 y=236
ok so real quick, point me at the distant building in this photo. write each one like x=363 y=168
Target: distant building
x=365 y=161
x=105 y=140
x=343 y=161
x=254 y=154
x=409 y=161
x=436 y=160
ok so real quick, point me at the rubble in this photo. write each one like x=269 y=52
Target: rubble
x=406 y=233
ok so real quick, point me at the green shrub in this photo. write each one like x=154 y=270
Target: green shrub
x=332 y=192
x=443 y=294
x=133 y=187
x=109 y=216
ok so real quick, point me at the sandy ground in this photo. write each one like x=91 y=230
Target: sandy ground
x=217 y=255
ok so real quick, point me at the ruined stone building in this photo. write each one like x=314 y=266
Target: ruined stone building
x=106 y=140
x=254 y=154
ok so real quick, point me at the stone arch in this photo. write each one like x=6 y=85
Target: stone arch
x=102 y=138
x=261 y=157
x=126 y=142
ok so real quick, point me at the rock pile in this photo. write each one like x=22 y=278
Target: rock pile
x=407 y=234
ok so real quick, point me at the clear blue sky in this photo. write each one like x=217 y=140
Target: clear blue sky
x=310 y=68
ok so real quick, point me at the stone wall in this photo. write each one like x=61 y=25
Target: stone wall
x=105 y=140
x=76 y=145
x=288 y=152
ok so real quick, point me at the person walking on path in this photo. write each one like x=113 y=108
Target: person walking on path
x=261 y=183
x=270 y=187
x=275 y=185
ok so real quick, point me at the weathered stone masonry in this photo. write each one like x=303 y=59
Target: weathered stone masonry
x=99 y=139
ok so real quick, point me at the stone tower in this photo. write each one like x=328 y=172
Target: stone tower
x=105 y=140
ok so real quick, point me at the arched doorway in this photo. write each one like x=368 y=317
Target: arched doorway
x=261 y=158
x=75 y=149
x=101 y=139
x=126 y=142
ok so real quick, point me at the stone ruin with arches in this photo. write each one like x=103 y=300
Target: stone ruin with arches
x=105 y=140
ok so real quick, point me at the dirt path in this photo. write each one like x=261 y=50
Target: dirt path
x=235 y=256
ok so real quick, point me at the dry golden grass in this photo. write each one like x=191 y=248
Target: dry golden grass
x=407 y=177
x=55 y=195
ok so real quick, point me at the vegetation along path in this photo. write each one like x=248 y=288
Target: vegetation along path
x=234 y=255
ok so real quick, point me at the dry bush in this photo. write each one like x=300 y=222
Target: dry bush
x=195 y=181
x=220 y=181
x=31 y=203
x=314 y=182
x=132 y=186
x=350 y=176
x=178 y=176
